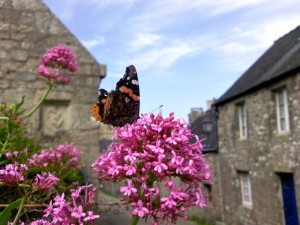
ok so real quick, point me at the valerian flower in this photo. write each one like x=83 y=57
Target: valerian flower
x=45 y=181
x=64 y=155
x=77 y=210
x=12 y=174
x=57 y=63
x=151 y=151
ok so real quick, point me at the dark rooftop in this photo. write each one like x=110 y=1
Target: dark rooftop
x=280 y=60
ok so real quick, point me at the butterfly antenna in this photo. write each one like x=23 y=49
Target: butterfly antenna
x=154 y=110
x=157 y=108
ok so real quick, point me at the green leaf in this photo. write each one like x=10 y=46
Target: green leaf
x=17 y=106
x=6 y=214
x=11 y=126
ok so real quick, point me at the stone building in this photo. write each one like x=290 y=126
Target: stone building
x=27 y=29
x=204 y=124
x=259 y=142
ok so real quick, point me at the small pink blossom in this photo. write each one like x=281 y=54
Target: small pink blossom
x=159 y=166
x=78 y=212
x=168 y=202
x=91 y=216
x=62 y=211
x=45 y=181
x=140 y=210
x=40 y=222
x=12 y=174
x=64 y=155
x=128 y=190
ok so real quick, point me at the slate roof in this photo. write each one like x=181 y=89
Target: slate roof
x=280 y=60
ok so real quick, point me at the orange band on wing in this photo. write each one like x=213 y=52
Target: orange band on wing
x=129 y=92
x=95 y=112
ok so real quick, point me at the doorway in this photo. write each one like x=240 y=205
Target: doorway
x=289 y=199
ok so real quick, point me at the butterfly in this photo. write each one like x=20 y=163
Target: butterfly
x=122 y=105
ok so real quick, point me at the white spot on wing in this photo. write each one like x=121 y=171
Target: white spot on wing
x=135 y=82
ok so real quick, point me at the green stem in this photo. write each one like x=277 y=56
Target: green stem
x=4 y=145
x=51 y=84
x=134 y=220
x=19 y=212
x=24 y=185
x=4 y=118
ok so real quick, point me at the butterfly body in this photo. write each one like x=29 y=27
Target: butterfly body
x=120 y=106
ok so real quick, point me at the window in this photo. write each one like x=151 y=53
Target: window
x=282 y=111
x=208 y=191
x=246 y=189
x=242 y=120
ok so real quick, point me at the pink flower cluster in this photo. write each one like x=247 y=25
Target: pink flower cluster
x=12 y=174
x=56 y=62
x=151 y=151
x=64 y=156
x=60 y=211
x=45 y=181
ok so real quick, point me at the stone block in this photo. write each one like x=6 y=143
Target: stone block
x=19 y=55
x=3 y=54
x=27 y=45
x=34 y=5
x=42 y=20
x=55 y=117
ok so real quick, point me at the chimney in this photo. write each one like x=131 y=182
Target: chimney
x=195 y=113
x=209 y=103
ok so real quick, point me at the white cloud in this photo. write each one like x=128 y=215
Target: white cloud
x=155 y=40
x=93 y=43
x=162 y=56
x=227 y=6
x=102 y=4
x=162 y=50
x=68 y=9
x=143 y=40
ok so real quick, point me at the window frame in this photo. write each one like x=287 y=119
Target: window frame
x=282 y=111
x=243 y=120
x=246 y=190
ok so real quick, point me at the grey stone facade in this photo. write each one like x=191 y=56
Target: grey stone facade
x=265 y=155
x=27 y=30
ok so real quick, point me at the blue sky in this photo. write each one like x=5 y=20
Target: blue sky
x=186 y=51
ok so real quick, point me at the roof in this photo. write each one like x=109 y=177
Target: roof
x=280 y=60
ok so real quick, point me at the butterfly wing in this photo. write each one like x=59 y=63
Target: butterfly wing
x=129 y=84
x=97 y=109
x=122 y=105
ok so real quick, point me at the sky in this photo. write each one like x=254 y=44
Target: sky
x=186 y=52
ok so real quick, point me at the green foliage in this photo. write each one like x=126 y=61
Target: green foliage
x=6 y=214
x=199 y=221
x=14 y=140
x=12 y=131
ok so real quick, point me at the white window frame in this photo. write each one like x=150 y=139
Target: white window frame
x=246 y=189
x=243 y=127
x=282 y=111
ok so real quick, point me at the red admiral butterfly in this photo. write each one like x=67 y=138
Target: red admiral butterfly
x=122 y=105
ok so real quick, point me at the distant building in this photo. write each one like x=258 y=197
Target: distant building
x=27 y=29
x=259 y=142
x=204 y=124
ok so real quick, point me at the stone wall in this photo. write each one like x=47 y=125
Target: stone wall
x=27 y=30
x=265 y=154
